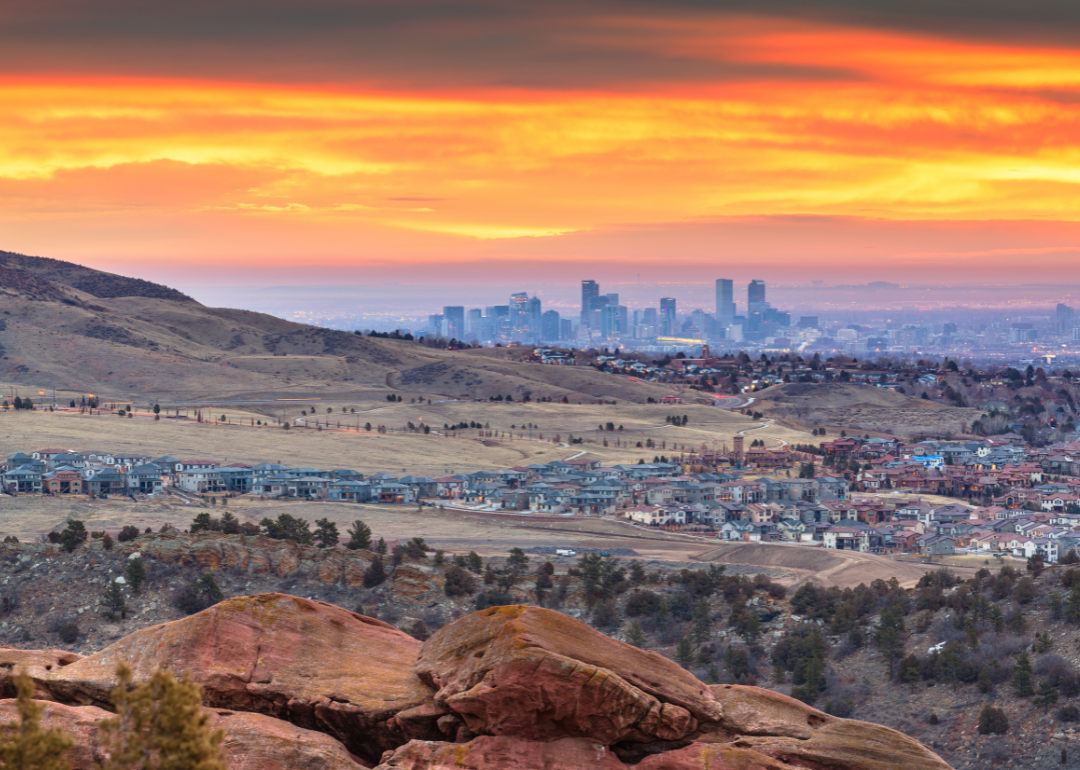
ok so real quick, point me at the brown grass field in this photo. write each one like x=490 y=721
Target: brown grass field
x=397 y=453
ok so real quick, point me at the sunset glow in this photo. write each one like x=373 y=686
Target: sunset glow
x=801 y=119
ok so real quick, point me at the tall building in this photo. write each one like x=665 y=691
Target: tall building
x=473 y=319
x=552 y=327
x=566 y=329
x=648 y=320
x=755 y=293
x=725 y=302
x=590 y=291
x=518 y=312
x=455 y=321
x=667 y=316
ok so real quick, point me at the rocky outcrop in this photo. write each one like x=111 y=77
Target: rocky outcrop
x=540 y=675
x=251 y=741
x=508 y=688
x=311 y=663
x=37 y=663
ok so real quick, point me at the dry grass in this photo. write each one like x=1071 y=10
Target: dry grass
x=396 y=453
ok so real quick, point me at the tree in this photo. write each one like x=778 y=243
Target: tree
x=684 y=652
x=1071 y=557
x=890 y=634
x=160 y=725
x=517 y=561
x=474 y=562
x=112 y=602
x=136 y=574
x=207 y=589
x=380 y=547
x=1035 y=564
x=326 y=534
x=636 y=636
x=457 y=581
x=992 y=721
x=375 y=574
x=73 y=536
x=25 y=746
x=359 y=536
x=287 y=528
x=1045 y=696
x=1022 y=682
x=201 y=523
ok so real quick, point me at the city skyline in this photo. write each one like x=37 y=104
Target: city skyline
x=843 y=141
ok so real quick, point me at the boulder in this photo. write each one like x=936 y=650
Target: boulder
x=311 y=663
x=36 y=663
x=502 y=753
x=251 y=742
x=539 y=675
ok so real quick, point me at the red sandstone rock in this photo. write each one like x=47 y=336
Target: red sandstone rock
x=311 y=663
x=502 y=753
x=251 y=742
x=536 y=674
x=36 y=663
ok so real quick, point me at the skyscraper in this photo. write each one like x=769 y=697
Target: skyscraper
x=455 y=321
x=519 y=312
x=755 y=293
x=590 y=291
x=725 y=302
x=667 y=316
x=552 y=331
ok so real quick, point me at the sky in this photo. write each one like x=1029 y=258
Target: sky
x=483 y=141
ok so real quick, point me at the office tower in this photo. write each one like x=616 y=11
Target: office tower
x=552 y=329
x=609 y=321
x=725 y=302
x=455 y=321
x=808 y=322
x=435 y=323
x=648 y=320
x=566 y=329
x=590 y=291
x=612 y=299
x=518 y=311
x=473 y=319
x=667 y=316
x=533 y=315
x=703 y=324
x=755 y=293
x=622 y=316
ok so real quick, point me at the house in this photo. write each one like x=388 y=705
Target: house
x=146 y=479
x=104 y=483
x=62 y=481
x=937 y=545
x=24 y=480
x=349 y=491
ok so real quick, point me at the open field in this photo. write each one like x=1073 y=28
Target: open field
x=29 y=517
x=418 y=454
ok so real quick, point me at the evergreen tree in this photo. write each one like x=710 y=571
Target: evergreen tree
x=207 y=589
x=73 y=536
x=636 y=636
x=474 y=563
x=359 y=536
x=326 y=533
x=380 y=547
x=1023 y=683
x=136 y=574
x=25 y=746
x=1045 y=696
x=160 y=725
x=684 y=653
x=375 y=574
x=890 y=635
x=112 y=602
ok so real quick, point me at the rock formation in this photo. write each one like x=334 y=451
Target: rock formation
x=508 y=688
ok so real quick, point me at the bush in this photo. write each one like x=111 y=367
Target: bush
x=841 y=707
x=69 y=632
x=375 y=574
x=492 y=598
x=992 y=721
x=606 y=615
x=201 y=594
x=641 y=603
x=1069 y=713
x=459 y=582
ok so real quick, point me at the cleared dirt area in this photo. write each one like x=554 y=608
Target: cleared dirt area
x=845 y=569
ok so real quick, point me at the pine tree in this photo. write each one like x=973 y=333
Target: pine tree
x=359 y=536
x=207 y=588
x=136 y=574
x=380 y=547
x=160 y=725
x=25 y=746
x=1045 y=696
x=684 y=653
x=113 y=602
x=326 y=534
x=1022 y=681
x=636 y=636
x=375 y=574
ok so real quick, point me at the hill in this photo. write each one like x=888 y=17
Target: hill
x=81 y=330
x=862 y=407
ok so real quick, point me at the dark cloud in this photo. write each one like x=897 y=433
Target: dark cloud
x=441 y=44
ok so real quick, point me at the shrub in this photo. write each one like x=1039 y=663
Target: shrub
x=375 y=574
x=492 y=598
x=642 y=603
x=1069 y=713
x=201 y=594
x=992 y=721
x=459 y=582
x=606 y=615
x=69 y=632
x=841 y=707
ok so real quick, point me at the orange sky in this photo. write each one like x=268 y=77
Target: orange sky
x=934 y=150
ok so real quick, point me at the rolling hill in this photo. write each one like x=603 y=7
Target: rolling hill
x=862 y=407
x=76 y=329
